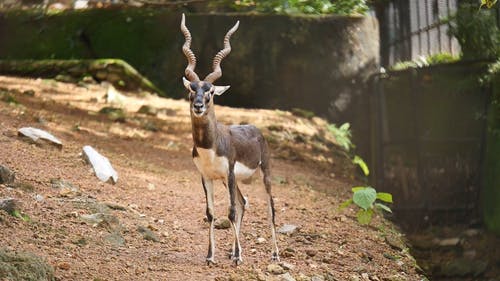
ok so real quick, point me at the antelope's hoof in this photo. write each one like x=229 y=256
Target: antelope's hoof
x=211 y=261
x=237 y=261
x=275 y=257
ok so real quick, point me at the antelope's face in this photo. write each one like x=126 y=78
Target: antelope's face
x=201 y=95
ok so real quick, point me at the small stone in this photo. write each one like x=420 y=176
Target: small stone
x=311 y=252
x=39 y=198
x=6 y=175
x=147 y=234
x=303 y=277
x=286 y=265
x=29 y=93
x=63 y=266
x=115 y=239
x=463 y=267
x=317 y=278
x=37 y=135
x=222 y=223
x=148 y=110
x=286 y=277
x=9 y=205
x=101 y=165
x=448 y=242
x=472 y=232
x=364 y=276
x=288 y=229
x=114 y=114
x=395 y=243
x=275 y=269
x=261 y=240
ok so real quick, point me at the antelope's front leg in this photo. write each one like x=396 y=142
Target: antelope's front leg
x=231 y=182
x=209 y=194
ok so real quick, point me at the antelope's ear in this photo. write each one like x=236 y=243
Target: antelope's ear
x=187 y=84
x=219 y=90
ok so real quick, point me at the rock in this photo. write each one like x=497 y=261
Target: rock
x=64 y=266
x=395 y=243
x=24 y=266
x=288 y=229
x=39 y=198
x=261 y=240
x=113 y=96
x=286 y=277
x=107 y=221
x=222 y=223
x=462 y=267
x=114 y=114
x=115 y=206
x=317 y=278
x=448 y=242
x=311 y=252
x=6 y=175
x=37 y=135
x=147 y=234
x=275 y=269
x=286 y=265
x=303 y=277
x=102 y=167
x=148 y=110
x=66 y=189
x=115 y=239
x=9 y=205
x=471 y=232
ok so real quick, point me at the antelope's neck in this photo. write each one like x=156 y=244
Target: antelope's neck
x=204 y=130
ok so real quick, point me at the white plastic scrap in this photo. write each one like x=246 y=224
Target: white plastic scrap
x=102 y=166
x=35 y=134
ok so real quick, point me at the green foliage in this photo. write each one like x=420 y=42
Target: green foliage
x=365 y=197
x=342 y=135
x=293 y=7
x=439 y=58
x=488 y=3
x=476 y=31
x=361 y=163
x=18 y=214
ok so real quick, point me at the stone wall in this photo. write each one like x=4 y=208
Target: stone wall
x=314 y=63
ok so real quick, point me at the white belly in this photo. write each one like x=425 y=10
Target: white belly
x=214 y=167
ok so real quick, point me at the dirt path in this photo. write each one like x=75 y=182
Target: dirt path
x=152 y=224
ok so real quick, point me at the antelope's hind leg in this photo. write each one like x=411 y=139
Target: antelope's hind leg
x=209 y=194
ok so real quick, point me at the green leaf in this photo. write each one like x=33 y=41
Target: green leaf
x=18 y=214
x=357 y=188
x=345 y=204
x=383 y=207
x=364 y=198
x=361 y=163
x=386 y=197
x=364 y=216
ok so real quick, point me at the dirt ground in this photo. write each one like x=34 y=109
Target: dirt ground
x=151 y=223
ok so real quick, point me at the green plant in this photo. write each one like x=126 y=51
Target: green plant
x=476 y=31
x=365 y=197
x=342 y=135
x=426 y=61
x=340 y=7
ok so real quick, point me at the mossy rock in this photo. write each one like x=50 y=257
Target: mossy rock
x=115 y=71
x=24 y=266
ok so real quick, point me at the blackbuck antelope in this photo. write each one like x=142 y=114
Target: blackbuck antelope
x=227 y=153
